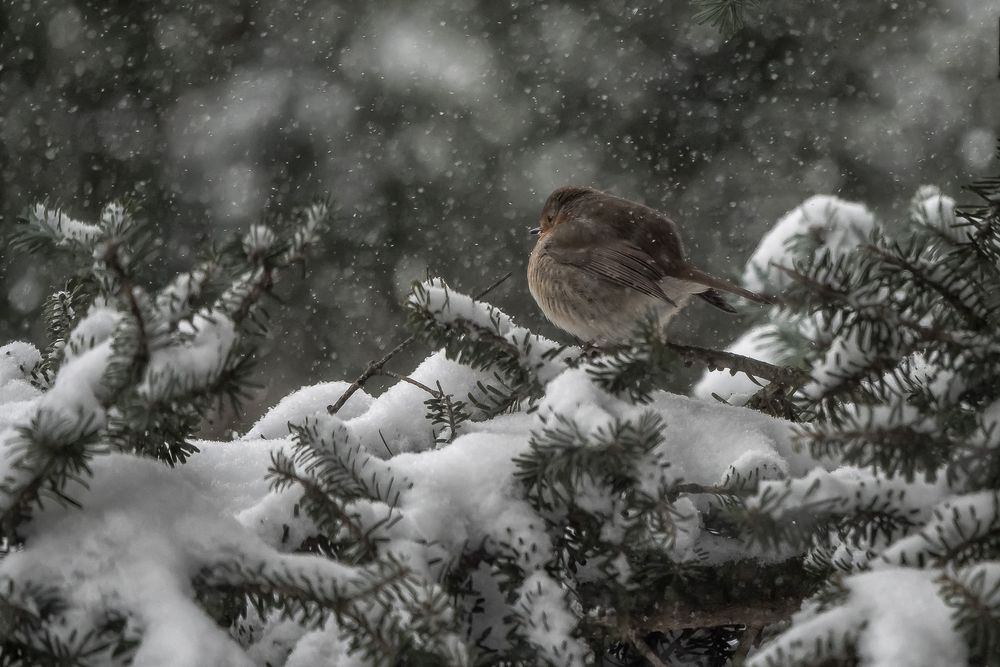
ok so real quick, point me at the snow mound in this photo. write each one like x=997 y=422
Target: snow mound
x=146 y=531
x=894 y=617
x=308 y=402
x=823 y=222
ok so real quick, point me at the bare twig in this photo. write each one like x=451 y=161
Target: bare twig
x=371 y=369
x=409 y=380
x=375 y=367
x=495 y=284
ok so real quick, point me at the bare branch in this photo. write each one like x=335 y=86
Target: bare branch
x=716 y=359
x=403 y=378
x=681 y=617
x=375 y=367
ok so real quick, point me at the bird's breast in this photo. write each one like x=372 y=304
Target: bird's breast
x=590 y=309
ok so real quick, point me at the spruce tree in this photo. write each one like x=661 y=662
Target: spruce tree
x=512 y=500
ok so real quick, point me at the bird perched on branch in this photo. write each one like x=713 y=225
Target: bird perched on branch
x=602 y=263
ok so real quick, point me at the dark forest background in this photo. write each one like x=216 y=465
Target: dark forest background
x=438 y=128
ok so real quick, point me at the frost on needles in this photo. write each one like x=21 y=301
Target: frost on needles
x=512 y=500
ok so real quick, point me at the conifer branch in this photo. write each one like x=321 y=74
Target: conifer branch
x=316 y=495
x=737 y=363
x=974 y=598
x=682 y=616
x=728 y=16
x=921 y=276
x=47 y=454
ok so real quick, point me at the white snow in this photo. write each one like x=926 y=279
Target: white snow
x=18 y=402
x=78 y=392
x=137 y=546
x=465 y=493
x=828 y=222
x=956 y=520
x=145 y=533
x=16 y=362
x=447 y=304
x=846 y=488
x=193 y=362
x=63 y=227
x=168 y=524
x=937 y=210
x=311 y=401
x=95 y=327
x=318 y=647
x=896 y=617
x=548 y=621
x=174 y=301
x=394 y=423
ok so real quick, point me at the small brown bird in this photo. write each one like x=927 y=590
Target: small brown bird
x=602 y=263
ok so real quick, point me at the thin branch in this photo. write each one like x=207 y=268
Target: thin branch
x=680 y=617
x=495 y=284
x=763 y=613
x=409 y=380
x=371 y=369
x=375 y=367
x=716 y=359
x=693 y=487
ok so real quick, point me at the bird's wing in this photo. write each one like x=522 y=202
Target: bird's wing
x=713 y=297
x=642 y=228
x=708 y=280
x=621 y=263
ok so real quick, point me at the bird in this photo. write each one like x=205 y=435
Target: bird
x=602 y=264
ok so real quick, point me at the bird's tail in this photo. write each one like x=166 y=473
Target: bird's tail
x=708 y=280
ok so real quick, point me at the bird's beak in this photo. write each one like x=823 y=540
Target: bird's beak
x=535 y=231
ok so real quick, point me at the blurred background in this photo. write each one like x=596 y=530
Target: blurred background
x=438 y=128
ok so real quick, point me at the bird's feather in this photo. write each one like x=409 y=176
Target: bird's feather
x=589 y=218
x=707 y=279
x=628 y=244
x=716 y=299
x=619 y=262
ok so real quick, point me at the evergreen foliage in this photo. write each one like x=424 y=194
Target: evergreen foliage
x=729 y=16
x=514 y=501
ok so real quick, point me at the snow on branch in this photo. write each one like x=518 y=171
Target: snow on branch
x=463 y=541
x=130 y=371
x=509 y=499
x=889 y=617
x=903 y=331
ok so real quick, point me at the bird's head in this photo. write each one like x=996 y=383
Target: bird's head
x=554 y=205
